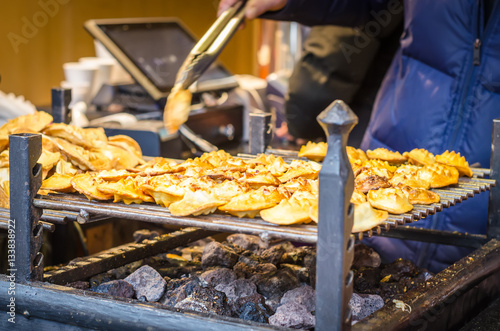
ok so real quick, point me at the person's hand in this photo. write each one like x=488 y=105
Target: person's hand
x=254 y=8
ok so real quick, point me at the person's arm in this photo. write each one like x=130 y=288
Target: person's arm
x=318 y=12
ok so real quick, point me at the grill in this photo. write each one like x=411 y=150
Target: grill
x=42 y=300
x=465 y=189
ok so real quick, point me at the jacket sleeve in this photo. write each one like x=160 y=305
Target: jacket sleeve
x=335 y=12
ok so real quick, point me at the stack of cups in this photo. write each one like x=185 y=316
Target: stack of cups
x=86 y=77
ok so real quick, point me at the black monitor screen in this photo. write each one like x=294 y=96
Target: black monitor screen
x=158 y=49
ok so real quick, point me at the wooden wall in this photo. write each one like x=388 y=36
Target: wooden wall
x=31 y=59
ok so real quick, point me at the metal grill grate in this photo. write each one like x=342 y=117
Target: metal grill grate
x=466 y=188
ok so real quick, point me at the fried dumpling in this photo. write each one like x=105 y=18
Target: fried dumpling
x=71 y=133
x=455 y=160
x=420 y=156
x=420 y=196
x=358 y=197
x=228 y=189
x=393 y=200
x=4 y=159
x=368 y=180
x=195 y=203
x=35 y=122
x=366 y=217
x=127 y=143
x=384 y=154
x=58 y=183
x=304 y=169
x=96 y=137
x=177 y=109
x=114 y=175
x=277 y=167
x=314 y=151
x=251 y=203
x=439 y=175
x=87 y=184
x=356 y=154
x=301 y=184
x=76 y=154
x=379 y=166
x=164 y=189
x=291 y=211
x=124 y=190
x=4 y=194
x=66 y=168
x=258 y=179
x=118 y=157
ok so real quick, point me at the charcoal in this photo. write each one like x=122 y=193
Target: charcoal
x=99 y=279
x=302 y=273
x=398 y=269
x=424 y=275
x=175 y=283
x=216 y=254
x=178 y=290
x=273 y=254
x=390 y=290
x=117 y=288
x=80 y=285
x=238 y=288
x=255 y=310
x=179 y=272
x=242 y=270
x=193 y=253
x=365 y=256
x=297 y=255
x=201 y=242
x=124 y=271
x=310 y=264
x=273 y=302
x=293 y=315
x=157 y=261
x=148 y=284
x=249 y=258
x=220 y=276
x=246 y=241
x=304 y=295
x=258 y=301
x=206 y=300
x=275 y=284
x=141 y=235
x=366 y=280
x=364 y=305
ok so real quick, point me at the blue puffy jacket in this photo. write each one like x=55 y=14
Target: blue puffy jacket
x=441 y=92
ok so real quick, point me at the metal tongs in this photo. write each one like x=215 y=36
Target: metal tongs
x=210 y=45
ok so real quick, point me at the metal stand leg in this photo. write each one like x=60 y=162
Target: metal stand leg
x=335 y=250
x=61 y=97
x=494 y=204
x=25 y=180
x=260 y=133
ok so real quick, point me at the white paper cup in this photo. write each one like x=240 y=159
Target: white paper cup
x=79 y=72
x=79 y=91
x=105 y=67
